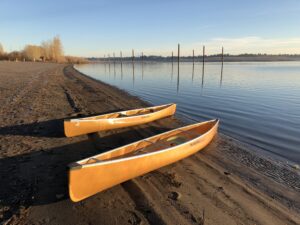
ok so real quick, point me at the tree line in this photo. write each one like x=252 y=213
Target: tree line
x=48 y=51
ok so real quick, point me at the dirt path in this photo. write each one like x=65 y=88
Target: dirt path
x=224 y=184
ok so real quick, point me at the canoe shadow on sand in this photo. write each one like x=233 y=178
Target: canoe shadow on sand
x=41 y=177
x=48 y=128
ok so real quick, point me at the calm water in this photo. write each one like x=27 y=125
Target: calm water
x=258 y=103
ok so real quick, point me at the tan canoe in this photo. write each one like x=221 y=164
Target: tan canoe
x=92 y=175
x=75 y=127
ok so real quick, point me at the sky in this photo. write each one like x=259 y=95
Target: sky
x=155 y=27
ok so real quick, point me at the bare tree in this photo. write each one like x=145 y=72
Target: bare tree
x=33 y=52
x=46 y=50
x=53 y=50
x=57 y=49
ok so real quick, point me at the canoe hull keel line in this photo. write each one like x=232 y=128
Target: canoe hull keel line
x=90 y=176
x=75 y=127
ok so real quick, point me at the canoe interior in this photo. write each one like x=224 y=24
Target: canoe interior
x=160 y=142
x=134 y=112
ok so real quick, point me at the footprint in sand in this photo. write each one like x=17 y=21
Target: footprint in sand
x=174 y=195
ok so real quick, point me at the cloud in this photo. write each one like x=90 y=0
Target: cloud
x=251 y=44
x=254 y=45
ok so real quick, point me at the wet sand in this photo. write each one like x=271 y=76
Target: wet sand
x=226 y=183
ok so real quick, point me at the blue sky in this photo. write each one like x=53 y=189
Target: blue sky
x=95 y=28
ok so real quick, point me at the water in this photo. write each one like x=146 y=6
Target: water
x=257 y=102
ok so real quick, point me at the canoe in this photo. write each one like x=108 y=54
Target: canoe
x=75 y=127
x=95 y=174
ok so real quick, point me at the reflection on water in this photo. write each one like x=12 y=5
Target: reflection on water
x=258 y=103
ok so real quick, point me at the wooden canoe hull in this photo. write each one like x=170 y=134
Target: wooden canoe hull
x=77 y=127
x=89 y=180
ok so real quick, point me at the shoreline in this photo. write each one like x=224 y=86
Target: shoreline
x=250 y=149
x=225 y=180
x=285 y=162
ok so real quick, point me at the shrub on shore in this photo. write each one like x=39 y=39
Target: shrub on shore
x=48 y=51
x=75 y=60
x=2 y=53
x=1 y=49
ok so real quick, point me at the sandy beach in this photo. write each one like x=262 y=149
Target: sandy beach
x=226 y=183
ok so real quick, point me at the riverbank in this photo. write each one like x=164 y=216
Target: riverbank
x=226 y=183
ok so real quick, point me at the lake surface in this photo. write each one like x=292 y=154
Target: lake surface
x=258 y=102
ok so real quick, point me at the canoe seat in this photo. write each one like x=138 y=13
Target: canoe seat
x=93 y=160
x=176 y=140
x=122 y=115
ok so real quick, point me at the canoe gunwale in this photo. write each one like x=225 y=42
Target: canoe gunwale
x=85 y=119
x=78 y=165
